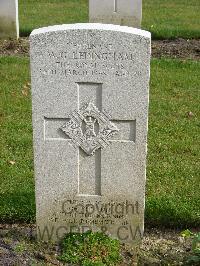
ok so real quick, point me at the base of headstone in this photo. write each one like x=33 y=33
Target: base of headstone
x=125 y=21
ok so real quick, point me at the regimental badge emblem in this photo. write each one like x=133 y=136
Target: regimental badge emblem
x=89 y=128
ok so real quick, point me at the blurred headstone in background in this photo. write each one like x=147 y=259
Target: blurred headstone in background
x=9 y=24
x=120 y=12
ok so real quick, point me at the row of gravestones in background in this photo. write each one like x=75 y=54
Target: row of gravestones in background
x=120 y=12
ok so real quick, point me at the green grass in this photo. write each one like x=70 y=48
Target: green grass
x=41 y=13
x=169 y=19
x=173 y=187
x=89 y=249
x=164 y=18
x=16 y=180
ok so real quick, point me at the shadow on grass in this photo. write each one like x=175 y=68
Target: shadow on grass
x=165 y=212
x=172 y=35
x=17 y=207
x=25 y=32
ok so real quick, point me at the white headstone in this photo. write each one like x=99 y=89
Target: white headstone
x=120 y=12
x=9 y=24
x=90 y=91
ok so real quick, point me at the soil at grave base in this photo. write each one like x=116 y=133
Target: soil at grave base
x=18 y=246
x=178 y=48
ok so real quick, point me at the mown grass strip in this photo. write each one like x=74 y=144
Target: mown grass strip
x=166 y=19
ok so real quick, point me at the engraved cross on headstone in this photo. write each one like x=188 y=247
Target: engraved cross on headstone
x=89 y=129
x=115 y=5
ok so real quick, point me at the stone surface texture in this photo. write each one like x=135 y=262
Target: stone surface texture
x=120 y=12
x=90 y=93
x=9 y=24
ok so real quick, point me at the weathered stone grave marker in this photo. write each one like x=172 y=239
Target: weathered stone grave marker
x=9 y=24
x=120 y=12
x=90 y=106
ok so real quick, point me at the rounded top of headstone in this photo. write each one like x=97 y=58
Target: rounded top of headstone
x=92 y=26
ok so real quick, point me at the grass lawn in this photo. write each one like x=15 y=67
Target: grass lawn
x=41 y=13
x=173 y=188
x=164 y=18
x=169 y=19
x=173 y=185
x=16 y=164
